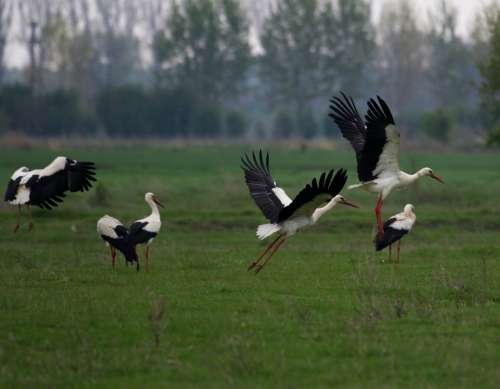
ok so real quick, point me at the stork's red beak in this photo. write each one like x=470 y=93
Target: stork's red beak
x=158 y=202
x=345 y=202
x=437 y=178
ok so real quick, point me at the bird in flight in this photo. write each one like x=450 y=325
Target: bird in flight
x=287 y=216
x=47 y=187
x=376 y=144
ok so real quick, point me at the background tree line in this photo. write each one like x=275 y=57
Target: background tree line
x=227 y=68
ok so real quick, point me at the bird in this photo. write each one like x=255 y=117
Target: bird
x=116 y=237
x=395 y=228
x=287 y=216
x=376 y=144
x=143 y=231
x=46 y=187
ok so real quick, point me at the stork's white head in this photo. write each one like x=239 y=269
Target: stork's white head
x=427 y=171
x=339 y=199
x=409 y=208
x=151 y=198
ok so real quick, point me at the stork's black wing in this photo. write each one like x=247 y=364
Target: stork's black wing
x=381 y=149
x=12 y=186
x=345 y=114
x=391 y=235
x=121 y=231
x=137 y=234
x=315 y=195
x=270 y=198
x=48 y=191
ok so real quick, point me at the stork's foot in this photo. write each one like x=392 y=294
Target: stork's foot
x=258 y=269
x=30 y=226
x=16 y=228
x=137 y=267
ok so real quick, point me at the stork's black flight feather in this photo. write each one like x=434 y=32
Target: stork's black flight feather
x=367 y=141
x=262 y=185
x=48 y=191
x=315 y=194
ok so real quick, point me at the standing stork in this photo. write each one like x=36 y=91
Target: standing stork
x=287 y=216
x=376 y=144
x=395 y=228
x=46 y=187
x=143 y=231
x=116 y=237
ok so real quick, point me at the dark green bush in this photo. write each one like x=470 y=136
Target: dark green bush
x=437 y=124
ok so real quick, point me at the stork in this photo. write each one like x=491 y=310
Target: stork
x=143 y=231
x=376 y=144
x=46 y=187
x=116 y=237
x=395 y=228
x=287 y=216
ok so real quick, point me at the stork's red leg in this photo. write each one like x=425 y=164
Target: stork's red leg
x=260 y=267
x=399 y=249
x=113 y=256
x=378 y=210
x=146 y=260
x=18 y=218
x=254 y=263
x=30 y=227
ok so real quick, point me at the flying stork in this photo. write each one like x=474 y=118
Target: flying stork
x=46 y=187
x=376 y=144
x=116 y=237
x=395 y=228
x=287 y=216
x=143 y=231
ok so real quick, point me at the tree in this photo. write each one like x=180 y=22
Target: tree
x=204 y=46
x=449 y=68
x=6 y=9
x=312 y=48
x=116 y=43
x=401 y=53
x=487 y=35
x=292 y=41
x=349 y=45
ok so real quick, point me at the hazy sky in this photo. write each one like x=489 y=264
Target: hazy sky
x=17 y=55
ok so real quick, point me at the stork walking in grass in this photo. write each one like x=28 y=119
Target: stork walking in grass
x=376 y=144
x=46 y=187
x=143 y=231
x=395 y=228
x=116 y=237
x=287 y=216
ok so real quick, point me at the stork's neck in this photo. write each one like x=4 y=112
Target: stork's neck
x=318 y=212
x=155 y=212
x=407 y=179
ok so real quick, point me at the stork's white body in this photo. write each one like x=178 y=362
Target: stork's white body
x=106 y=226
x=153 y=220
x=290 y=226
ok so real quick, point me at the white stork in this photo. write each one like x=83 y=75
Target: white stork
x=46 y=187
x=143 y=231
x=377 y=148
x=395 y=228
x=116 y=236
x=287 y=216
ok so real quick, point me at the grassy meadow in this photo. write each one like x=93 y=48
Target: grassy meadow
x=327 y=311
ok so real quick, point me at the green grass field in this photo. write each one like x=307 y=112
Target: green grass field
x=325 y=312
